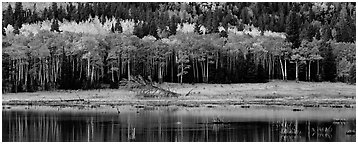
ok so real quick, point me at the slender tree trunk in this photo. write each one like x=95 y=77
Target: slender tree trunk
x=173 y=65
x=80 y=63
x=73 y=66
x=318 y=77
x=15 y=75
x=269 y=67
x=119 y=63
x=129 y=70
x=57 y=68
x=26 y=73
x=285 y=70
x=273 y=68
x=217 y=61
x=20 y=70
x=160 y=77
x=40 y=72
x=296 y=71
x=282 y=71
x=207 y=70
x=182 y=73
x=202 y=71
x=197 y=70
x=112 y=73
x=194 y=71
x=92 y=74
x=229 y=61
x=306 y=71
x=88 y=67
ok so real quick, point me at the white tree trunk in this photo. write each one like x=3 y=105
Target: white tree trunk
x=296 y=71
x=160 y=77
x=129 y=70
x=112 y=73
x=92 y=74
x=282 y=71
x=88 y=67
x=182 y=73
x=285 y=70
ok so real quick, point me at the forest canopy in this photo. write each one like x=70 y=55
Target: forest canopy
x=83 y=45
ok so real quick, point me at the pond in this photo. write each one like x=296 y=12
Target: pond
x=171 y=124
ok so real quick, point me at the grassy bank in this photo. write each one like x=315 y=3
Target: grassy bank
x=309 y=94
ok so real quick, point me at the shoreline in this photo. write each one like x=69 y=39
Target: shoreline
x=302 y=94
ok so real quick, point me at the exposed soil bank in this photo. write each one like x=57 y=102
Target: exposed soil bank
x=307 y=94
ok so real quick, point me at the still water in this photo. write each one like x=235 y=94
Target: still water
x=171 y=124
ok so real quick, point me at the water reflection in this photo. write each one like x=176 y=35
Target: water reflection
x=165 y=125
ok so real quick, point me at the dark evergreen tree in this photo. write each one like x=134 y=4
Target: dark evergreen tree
x=164 y=21
x=215 y=22
x=34 y=17
x=54 y=10
x=306 y=32
x=326 y=33
x=81 y=11
x=153 y=29
x=345 y=27
x=173 y=25
x=61 y=14
x=223 y=33
x=228 y=19
x=293 y=29
x=197 y=28
x=3 y=31
x=281 y=23
x=18 y=15
x=69 y=11
x=16 y=28
x=138 y=30
x=118 y=13
x=8 y=17
x=118 y=27
x=208 y=21
x=27 y=16
x=47 y=14
x=329 y=63
x=73 y=13
x=55 y=26
x=44 y=14
x=245 y=16
x=89 y=11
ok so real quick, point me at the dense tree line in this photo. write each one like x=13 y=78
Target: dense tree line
x=50 y=60
x=319 y=44
x=305 y=20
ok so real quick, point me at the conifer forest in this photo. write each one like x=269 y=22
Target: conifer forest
x=90 y=45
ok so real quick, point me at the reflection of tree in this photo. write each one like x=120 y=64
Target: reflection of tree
x=130 y=130
x=289 y=131
x=324 y=131
x=179 y=137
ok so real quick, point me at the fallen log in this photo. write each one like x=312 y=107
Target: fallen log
x=147 y=88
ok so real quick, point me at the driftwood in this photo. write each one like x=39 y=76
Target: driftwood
x=187 y=94
x=72 y=100
x=147 y=88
